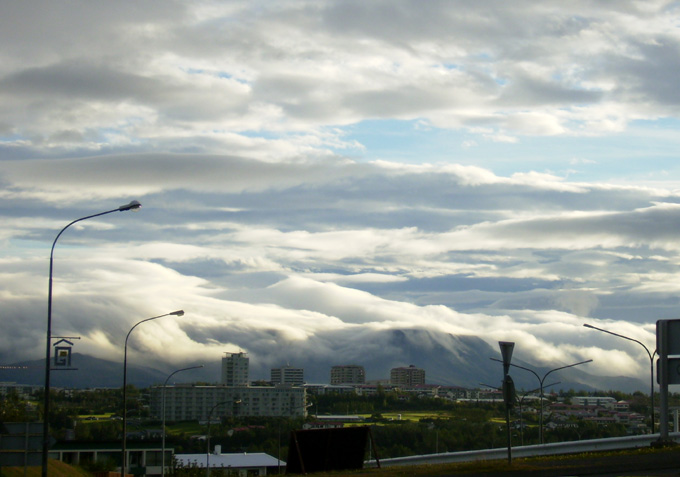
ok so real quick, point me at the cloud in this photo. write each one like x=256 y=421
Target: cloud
x=210 y=77
x=314 y=174
x=275 y=258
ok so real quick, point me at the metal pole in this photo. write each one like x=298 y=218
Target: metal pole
x=124 y=456
x=541 y=381
x=651 y=366
x=163 y=413
x=134 y=205
x=207 y=454
x=662 y=343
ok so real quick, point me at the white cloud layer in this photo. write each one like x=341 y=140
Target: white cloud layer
x=312 y=172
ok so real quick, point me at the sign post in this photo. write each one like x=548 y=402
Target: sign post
x=508 y=389
x=668 y=369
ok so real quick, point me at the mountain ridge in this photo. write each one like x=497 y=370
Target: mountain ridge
x=456 y=360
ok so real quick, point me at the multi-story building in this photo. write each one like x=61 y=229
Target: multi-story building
x=288 y=375
x=604 y=401
x=407 y=376
x=235 y=369
x=186 y=402
x=348 y=374
x=23 y=391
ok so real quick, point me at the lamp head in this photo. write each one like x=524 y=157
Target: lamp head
x=177 y=313
x=134 y=206
x=506 y=353
x=588 y=326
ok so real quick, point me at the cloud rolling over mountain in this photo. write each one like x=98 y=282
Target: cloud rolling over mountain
x=317 y=173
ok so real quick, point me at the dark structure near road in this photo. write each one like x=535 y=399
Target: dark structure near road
x=319 y=450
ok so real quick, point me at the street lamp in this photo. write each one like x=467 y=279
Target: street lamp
x=134 y=205
x=520 y=400
x=541 y=381
x=207 y=455
x=651 y=365
x=174 y=313
x=163 y=411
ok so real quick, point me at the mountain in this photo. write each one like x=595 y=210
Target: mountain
x=447 y=359
x=461 y=360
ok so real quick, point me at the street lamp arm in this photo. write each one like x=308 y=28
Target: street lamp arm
x=563 y=367
x=651 y=355
x=179 y=371
x=520 y=367
x=176 y=313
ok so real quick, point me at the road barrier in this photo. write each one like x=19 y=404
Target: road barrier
x=557 y=448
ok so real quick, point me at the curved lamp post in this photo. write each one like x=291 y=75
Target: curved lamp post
x=651 y=365
x=207 y=454
x=520 y=400
x=134 y=205
x=163 y=412
x=541 y=381
x=124 y=459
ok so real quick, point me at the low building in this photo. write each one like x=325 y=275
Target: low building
x=186 y=402
x=242 y=463
x=603 y=401
x=23 y=391
x=319 y=389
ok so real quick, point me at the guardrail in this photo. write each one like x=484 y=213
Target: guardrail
x=557 y=448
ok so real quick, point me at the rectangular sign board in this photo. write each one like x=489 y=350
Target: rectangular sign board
x=668 y=337
x=672 y=371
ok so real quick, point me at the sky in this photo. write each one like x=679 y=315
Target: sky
x=314 y=172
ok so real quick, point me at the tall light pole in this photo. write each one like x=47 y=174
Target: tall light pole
x=163 y=412
x=541 y=381
x=124 y=458
x=207 y=454
x=520 y=401
x=651 y=366
x=134 y=205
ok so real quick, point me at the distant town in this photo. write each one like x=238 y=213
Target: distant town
x=250 y=414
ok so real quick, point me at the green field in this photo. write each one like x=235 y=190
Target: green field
x=187 y=427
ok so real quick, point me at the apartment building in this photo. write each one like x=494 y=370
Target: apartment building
x=288 y=375
x=187 y=402
x=407 y=376
x=348 y=374
x=235 y=369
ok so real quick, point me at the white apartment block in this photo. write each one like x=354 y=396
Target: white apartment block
x=604 y=401
x=348 y=374
x=186 y=402
x=288 y=375
x=235 y=369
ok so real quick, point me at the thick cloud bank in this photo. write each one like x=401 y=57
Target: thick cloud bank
x=286 y=262
x=318 y=176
